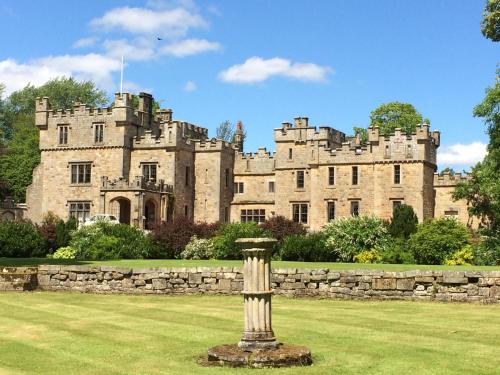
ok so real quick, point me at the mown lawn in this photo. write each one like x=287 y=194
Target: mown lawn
x=229 y=263
x=67 y=333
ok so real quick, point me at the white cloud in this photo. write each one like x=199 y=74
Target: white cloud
x=139 y=49
x=190 y=86
x=164 y=23
x=461 y=154
x=257 y=69
x=189 y=47
x=85 y=42
x=95 y=67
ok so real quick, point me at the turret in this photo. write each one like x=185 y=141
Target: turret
x=42 y=107
x=145 y=109
x=239 y=136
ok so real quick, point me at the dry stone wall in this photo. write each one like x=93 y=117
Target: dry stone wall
x=432 y=285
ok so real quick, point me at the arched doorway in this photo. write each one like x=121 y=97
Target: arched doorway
x=150 y=214
x=120 y=207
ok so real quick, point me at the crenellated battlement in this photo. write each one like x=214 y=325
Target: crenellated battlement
x=212 y=145
x=148 y=138
x=300 y=132
x=447 y=179
x=187 y=130
x=139 y=183
x=261 y=153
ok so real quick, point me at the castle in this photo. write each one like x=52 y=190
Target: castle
x=146 y=168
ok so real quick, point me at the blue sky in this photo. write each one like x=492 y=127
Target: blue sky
x=264 y=62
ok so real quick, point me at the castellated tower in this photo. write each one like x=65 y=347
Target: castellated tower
x=142 y=167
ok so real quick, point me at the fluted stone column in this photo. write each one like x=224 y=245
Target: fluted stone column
x=258 y=333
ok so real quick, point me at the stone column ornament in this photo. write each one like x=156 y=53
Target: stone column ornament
x=258 y=346
x=258 y=333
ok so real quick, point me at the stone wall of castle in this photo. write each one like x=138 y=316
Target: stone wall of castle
x=432 y=285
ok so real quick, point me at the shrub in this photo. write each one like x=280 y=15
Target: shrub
x=306 y=248
x=198 y=248
x=487 y=251
x=64 y=253
x=48 y=231
x=112 y=241
x=463 y=256
x=368 y=256
x=397 y=252
x=173 y=236
x=404 y=221
x=224 y=243
x=436 y=239
x=281 y=227
x=63 y=231
x=348 y=237
x=21 y=239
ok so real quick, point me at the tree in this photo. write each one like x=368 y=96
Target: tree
x=225 y=131
x=490 y=24
x=362 y=132
x=21 y=157
x=448 y=170
x=390 y=116
x=404 y=221
x=21 y=153
x=482 y=190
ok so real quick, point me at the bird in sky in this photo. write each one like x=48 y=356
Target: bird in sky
x=159 y=38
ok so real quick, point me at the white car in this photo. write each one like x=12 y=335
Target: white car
x=111 y=219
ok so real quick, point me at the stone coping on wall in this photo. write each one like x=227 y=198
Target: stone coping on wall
x=430 y=285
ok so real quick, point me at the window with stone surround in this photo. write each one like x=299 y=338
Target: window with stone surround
x=300 y=211
x=271 y=186
x=187 y=176
x=257 y=215
x=355 y=208
x=355 y=175
x=149 y=171
x=330 y=211
x=290 y=153
x=63 y=134
x=300 y=179
x=239 y=188
x=81 y=173
x=396 y=204
x=80 y=210
x=331 y=176
x=98 y=133
x=397 y=174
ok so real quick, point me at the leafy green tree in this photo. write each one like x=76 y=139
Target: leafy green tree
x=390 y=116
x=21 y=155
x=404 y=221
x=437 y=239
x=63 y=93
x=490 y=24
x=482 y=190
x=448 y=170
x=363 y=132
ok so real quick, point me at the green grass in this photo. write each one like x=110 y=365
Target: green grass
x=67 y=333
x=230 y=263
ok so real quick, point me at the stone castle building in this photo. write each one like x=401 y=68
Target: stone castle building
x=146 y=168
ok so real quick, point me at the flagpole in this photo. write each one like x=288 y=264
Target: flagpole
x=121 y=78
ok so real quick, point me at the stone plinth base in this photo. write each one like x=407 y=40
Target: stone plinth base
x=285 y=355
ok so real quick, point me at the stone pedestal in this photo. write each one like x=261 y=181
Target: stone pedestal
x=258 y=333
x=258 y=346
